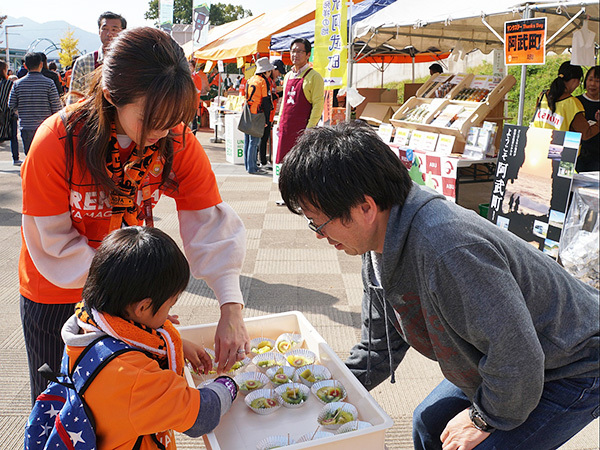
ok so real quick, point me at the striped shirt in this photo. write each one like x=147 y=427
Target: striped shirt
x=35 y=98
x=81 y=76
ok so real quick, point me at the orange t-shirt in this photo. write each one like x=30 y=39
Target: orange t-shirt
x=256 y=90
x=132 y=396
x=47 y=193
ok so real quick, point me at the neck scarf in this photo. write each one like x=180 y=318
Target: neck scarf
x=162 y=344
x=128 y=178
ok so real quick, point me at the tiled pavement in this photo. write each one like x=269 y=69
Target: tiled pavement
x=285 y=268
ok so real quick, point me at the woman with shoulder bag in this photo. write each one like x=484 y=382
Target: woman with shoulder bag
x=8 y=118
x=258 y=98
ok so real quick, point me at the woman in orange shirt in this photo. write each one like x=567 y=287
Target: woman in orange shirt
x=102 y=164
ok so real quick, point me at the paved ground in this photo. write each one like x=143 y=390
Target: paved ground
x=286 y=268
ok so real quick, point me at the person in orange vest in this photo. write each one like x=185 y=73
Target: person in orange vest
x=258 y=96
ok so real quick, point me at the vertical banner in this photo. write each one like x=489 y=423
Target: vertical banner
x=330 y=48
x=533 y=183
x=201 y=13
x=525 y=41
x=165 y=15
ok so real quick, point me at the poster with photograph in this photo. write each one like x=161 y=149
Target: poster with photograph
x=532 y=185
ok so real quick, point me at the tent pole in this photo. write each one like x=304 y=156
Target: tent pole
x=413 y=68
x=350 y=61
x=526 y=15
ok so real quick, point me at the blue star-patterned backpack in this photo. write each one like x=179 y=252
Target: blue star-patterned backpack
x=60 y=418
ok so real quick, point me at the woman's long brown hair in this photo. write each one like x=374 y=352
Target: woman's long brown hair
x=141 y=63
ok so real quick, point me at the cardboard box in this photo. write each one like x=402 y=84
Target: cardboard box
x=378 y=113
x=241 y=428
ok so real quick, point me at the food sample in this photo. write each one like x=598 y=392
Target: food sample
x=337 y=413
x=293 y=395
x=288 y=341
x=330 y=394
x=262 y=347
x=250 y=385
x=267 y=360
x=263 y=403
x=298 y=360
x=280 y=377
x=337 y=417
x=266 y=363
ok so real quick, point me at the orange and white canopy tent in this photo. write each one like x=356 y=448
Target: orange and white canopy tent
x=254 y=36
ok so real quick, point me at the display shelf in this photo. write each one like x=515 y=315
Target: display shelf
x=430 y=88
x=454 y=117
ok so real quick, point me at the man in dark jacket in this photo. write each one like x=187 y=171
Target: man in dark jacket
x=516 y=337
x=50 y=74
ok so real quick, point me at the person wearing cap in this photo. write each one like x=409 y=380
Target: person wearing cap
x=435 y=68
x=303 y=98
x=259 y=99
x=275 y=90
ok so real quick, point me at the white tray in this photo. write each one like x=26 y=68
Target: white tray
x=241 y=429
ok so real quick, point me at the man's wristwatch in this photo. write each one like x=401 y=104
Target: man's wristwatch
x=478 y=420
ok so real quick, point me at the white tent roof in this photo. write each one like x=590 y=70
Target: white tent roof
x=439 y=24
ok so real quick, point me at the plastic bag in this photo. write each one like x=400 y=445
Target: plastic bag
x=578 y=251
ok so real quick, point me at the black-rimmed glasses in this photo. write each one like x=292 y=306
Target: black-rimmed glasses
x=316 y=229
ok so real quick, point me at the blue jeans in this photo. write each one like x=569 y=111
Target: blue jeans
x=565 y=408
x=250 y=149
x=27 y=137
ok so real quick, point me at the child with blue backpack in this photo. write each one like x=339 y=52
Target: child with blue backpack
x=139 y=397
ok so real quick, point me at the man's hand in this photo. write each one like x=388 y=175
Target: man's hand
x=460 y=434
x=231 y=336
x=197 y=356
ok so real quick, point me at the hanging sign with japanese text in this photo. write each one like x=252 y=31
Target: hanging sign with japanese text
x=525 y=41
x=331 y=36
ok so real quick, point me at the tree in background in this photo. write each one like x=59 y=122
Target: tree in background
x=220 y=13
x=68 y=46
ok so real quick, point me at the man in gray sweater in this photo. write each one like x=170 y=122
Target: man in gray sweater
x=516 y=337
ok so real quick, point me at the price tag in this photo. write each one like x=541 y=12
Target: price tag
x=445 y=144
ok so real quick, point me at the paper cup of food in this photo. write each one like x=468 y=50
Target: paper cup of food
x=313 y=373
x=261 y=345
x=288 y=341
x=314 y=436
x=353 y=426
x=292 y=395
x=281 y=375
x=274 y=442
x=267 y=360
x=237 y=367
x=328 y=391
x=300 y=357
x=250 y=381
x=335 y=414
x=262 y=401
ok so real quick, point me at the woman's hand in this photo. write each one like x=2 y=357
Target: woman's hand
x=231 y=336
x=197 y=356
x=460 y=434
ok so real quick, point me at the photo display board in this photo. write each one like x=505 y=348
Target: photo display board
x=533 y=182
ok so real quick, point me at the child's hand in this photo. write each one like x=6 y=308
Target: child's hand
x=197 y=356
x=174 y=319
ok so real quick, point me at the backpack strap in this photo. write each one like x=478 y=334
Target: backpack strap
x=93 y=358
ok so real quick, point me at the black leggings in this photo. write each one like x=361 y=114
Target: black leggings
x=42 y=324
x=262 y=149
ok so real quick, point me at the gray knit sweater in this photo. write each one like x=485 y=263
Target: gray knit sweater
x=498 y=315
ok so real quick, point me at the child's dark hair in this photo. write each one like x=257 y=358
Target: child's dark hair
x=566 y=72
x=132 y=264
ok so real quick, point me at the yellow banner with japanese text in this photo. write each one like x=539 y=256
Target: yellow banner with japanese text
x=331 y=37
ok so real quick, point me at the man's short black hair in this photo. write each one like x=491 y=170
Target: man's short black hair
x=305 y=42
x=33 y=60
x=436 y=68
x=133 y=264
x=112 y=15
x=333 y=168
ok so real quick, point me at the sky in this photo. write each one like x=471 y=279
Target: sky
x=84 y=13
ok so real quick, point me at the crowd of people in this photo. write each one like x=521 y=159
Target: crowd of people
x=515 y=335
